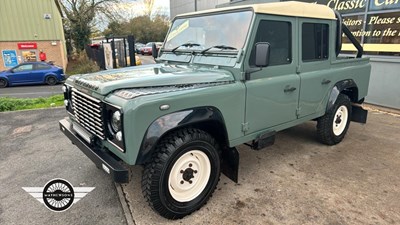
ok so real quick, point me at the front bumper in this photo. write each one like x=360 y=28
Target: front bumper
x=102 y=159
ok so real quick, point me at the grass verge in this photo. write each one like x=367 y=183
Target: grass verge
x=14 y=104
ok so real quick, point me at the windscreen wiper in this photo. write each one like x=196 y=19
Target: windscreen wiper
x=188 y=44
x=224 y=47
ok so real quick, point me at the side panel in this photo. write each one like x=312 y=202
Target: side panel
x=141 y=112
x=176 y=120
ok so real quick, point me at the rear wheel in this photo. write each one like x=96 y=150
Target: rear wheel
x=3 y=83
x=332 y=127
x=182 y=174
x=51 y=80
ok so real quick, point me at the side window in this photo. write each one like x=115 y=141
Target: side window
x=22 y=68
x=42 y=67
x=279 y=35
x=315 y=43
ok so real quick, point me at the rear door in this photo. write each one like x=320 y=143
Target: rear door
x=39 y=71
x=314 y=64
x=273 y=92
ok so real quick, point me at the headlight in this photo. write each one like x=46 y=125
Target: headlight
x=116 y=121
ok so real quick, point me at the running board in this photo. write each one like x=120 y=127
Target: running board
x=264 y=140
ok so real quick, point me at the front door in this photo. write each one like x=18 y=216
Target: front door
x=273 y=92
x=21 y=74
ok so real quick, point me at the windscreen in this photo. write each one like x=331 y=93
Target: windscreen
x=228 y=29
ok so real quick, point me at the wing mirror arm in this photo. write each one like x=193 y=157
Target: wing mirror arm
x=154 y=51
x=262 y=58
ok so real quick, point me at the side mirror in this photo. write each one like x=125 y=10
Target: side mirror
x=154 y=51
x=262 y=54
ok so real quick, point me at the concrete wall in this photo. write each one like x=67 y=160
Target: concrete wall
x=384 y=84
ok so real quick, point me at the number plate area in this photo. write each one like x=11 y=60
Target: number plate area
x=82 y=133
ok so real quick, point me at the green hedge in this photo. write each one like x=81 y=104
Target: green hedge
x=13 y=104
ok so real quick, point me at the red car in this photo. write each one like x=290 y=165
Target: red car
x=147 y=49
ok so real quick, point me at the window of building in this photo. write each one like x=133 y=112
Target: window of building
x=374 y=23
x=315 y=42
x=279 y=35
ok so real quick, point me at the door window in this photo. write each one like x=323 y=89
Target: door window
x=24 y=68
x=279 y=35
x=315 y=42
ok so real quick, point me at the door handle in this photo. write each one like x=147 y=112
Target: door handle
x=289 y=89
x=325 y=81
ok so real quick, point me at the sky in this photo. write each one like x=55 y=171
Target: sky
x=164 y=5
x=133 y=8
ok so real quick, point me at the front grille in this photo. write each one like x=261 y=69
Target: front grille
x=88 y=113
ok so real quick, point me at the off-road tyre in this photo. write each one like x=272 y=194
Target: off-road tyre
x=333 y=126
x=3 y=83
x=180 y=155
x=51 y=80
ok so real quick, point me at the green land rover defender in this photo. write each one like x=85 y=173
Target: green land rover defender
x=224 y=77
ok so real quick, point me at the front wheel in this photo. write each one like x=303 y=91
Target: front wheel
x=332 y=127
x=182 y=174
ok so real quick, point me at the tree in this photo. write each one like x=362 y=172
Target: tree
x=80 y=15
x=143 y=28
x=116 y=28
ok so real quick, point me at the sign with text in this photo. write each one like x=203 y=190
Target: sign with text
x=377 y=31
x=27 y=45
x=384 y=4
x=10 y=58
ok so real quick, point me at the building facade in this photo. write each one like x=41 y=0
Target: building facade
x=28 y=27
x=376 y=25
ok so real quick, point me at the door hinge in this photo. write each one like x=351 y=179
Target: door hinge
x=298 y=69
x=298 y=112
x=245 y=127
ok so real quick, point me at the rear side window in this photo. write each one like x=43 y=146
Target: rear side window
x=279 y=35
x=42 y=67
x=315 y=43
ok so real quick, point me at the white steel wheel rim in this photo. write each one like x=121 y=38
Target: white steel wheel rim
x=340 y=120
x=194 y=165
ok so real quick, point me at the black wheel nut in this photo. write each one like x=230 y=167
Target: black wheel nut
x=182 y=182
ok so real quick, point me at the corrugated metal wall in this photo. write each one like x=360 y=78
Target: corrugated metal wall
x=22 y=20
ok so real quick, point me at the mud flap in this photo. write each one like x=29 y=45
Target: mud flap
x=230 y=163
x=358 y=115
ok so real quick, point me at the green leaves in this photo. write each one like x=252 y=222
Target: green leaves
x=144 y=28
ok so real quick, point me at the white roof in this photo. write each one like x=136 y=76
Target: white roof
x=290 y=8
